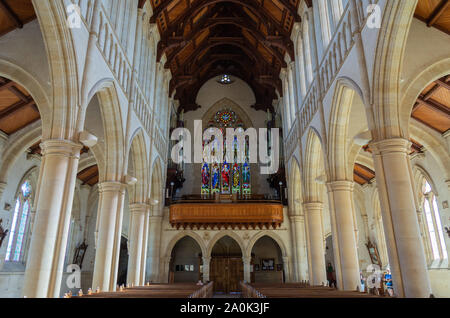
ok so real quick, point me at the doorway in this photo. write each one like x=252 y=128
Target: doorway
x=226 y=268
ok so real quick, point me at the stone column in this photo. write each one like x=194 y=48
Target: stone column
x=154 y=246
x=136 y=240
x=294 y=234
x=299 y=228
x=313 y=213
x=166 y=270
x=54 y=197
x=206 y=264
x=143 y=273
x=340 y=195
x=287 y=270
x=396 y=192
x=110 y=213
x=247 y=274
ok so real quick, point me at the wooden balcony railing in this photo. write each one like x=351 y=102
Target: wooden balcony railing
x=226 y=215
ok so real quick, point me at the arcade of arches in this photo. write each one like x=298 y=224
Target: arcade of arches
x=91 y=91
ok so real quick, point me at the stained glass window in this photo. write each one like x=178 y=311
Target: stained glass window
x=16 y=239
x=205 y=179
x=225 y=178
x=228 y=176
x=225 y=118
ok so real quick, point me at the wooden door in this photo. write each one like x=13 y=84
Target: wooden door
x=226 y=273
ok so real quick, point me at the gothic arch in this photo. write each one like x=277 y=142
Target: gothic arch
x=181 y=236
x=227 y=103
x=63 y=70
x=111 y=168
x=138 y=153
x=314 y=160
x=32 y=85
x=222 y=234
x=388 y=62
x=417 y=85
x=340 y=150
x=261 y=234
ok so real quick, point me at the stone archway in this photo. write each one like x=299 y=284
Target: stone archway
x=226 y=267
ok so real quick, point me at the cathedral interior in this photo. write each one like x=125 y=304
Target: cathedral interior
x=110 y=111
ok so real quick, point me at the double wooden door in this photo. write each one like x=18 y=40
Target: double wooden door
x=226 y=273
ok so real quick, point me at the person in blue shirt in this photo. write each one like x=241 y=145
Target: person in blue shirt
x=388 y=282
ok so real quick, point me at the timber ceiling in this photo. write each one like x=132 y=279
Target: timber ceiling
x=14 y=14
x=362 y=174
x=205 y=38
x=432 y=107
x=89 y=175
x=17 y=107
x=435 y=13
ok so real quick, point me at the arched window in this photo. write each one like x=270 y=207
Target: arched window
x=22 y=210
x=433 y=222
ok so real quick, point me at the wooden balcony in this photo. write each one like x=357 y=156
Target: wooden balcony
x=226 y=215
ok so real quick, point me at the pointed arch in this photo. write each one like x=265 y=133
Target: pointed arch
x=314 y=168
x=221 y=235
x=339 y=144
x=261 y=234
x=181 y=235
x=111 y=168
x=388 y=63
x=138 y=156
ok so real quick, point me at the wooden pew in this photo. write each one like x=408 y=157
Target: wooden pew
x=297 y=290
x=156 y=291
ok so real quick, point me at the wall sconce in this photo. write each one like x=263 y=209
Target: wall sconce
x=448 y=231
x=7 y=207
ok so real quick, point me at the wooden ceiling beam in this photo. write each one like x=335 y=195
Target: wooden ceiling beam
x=13 y=108
x=361 y=176
x=10 y=14
x=438 y=12
x=6 y=84
x=19 y=94
x=435 y=105
x=443 y=84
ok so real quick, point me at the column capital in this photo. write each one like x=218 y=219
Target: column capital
x=111 y=186
x=342 y=185
x=246 y=260
x=138 y=208
x=393 y=145
x=313 y=206
x=155 y=218
x=61 y=147
x=297 y=218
